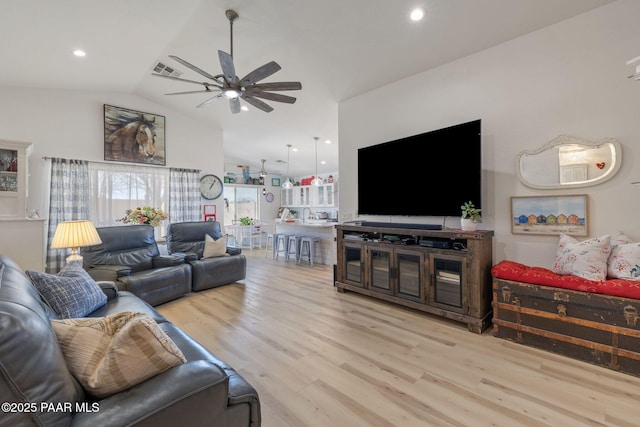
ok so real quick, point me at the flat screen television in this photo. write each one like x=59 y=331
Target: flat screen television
x=430 y=174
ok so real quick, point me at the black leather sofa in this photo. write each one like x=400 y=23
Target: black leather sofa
x=186 y=239
x=129 y=256
x=204 y=391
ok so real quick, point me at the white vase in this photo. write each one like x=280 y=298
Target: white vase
x=468 y=224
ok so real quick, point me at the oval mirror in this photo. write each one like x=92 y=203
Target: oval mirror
x=568 y=162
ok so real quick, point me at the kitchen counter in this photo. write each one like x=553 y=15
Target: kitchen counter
x=309 y=223
x=325 y=230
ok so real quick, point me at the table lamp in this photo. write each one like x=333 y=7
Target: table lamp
x=74 y=235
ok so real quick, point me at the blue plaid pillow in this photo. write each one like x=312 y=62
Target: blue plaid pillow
x=71 y=293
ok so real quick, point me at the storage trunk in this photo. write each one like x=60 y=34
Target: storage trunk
x=600 y=329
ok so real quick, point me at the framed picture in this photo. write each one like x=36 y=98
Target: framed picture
x=550 y=215
x=133 y=136
x=275 y=182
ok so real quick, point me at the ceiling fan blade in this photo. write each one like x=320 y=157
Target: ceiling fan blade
x=260 y=73
x=182 y=80
x=188 y=92
x=209 y=101
x=193 y=67
x=228 y=70
x=258 y=104
x=279 y=86
x=273 y=97
x=235 y=105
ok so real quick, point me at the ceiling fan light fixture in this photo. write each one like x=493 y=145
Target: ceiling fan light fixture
x=231 y=93
x=417 y=14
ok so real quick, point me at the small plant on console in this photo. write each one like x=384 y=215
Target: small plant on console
x=471 y=212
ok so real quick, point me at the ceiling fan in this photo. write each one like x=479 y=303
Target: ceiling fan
x=230 y=86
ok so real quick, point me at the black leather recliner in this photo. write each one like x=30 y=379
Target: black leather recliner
x=129 y=256
x=187 y=239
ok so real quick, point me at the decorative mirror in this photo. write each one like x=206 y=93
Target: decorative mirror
x=569 y=162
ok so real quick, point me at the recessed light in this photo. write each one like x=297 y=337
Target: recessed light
x=244 y=108
x=79 y=52
x=417 y=14
x=328 y=141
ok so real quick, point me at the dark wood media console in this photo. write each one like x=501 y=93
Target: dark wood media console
x=442 y=272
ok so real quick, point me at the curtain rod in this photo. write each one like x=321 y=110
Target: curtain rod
x=124 y=164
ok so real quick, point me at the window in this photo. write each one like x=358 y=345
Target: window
x=240 y=202
x=114 y=188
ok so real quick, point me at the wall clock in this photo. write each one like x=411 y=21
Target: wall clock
x=210 y=186
x=269 y=197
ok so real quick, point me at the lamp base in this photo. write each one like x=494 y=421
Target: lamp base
x=75 y=256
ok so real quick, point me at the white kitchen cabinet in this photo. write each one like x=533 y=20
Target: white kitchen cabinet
x=310 y=196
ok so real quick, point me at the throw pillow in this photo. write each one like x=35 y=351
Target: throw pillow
x=586 y=259
x=214 y=248
x=113 y=353
x=71 y=292
x=624 y=261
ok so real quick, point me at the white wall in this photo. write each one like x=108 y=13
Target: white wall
x=570 y=78
x=69 y=124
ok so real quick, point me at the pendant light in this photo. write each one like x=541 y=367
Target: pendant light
x=263 y=173
x=316 y=180
x=287 y=182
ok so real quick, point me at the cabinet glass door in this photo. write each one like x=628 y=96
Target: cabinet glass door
x=329 y=195
x=9 y=170
x=320 y=192
x=287 y=196
x=353 y=264
x=448 y=283
x=305 y=196
x=409 y=275
x=380 y=270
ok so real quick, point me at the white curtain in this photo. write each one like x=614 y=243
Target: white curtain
x=184 y=203
x=116 y=187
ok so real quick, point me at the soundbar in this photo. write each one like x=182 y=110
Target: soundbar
x=398 y=225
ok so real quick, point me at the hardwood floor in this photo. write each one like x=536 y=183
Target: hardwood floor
x=321 y=358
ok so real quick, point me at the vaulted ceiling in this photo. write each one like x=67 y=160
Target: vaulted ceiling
x=337 y=49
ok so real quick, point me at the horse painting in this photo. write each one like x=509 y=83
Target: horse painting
x=132 y=136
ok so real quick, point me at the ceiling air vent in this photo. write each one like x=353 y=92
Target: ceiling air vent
x=165 y=70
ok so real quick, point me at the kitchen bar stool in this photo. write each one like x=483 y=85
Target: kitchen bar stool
x=281 y=246
x=307 y=249
x=293 y=248
x=273 y=239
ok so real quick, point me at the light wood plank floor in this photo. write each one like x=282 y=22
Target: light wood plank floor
x=321 y=358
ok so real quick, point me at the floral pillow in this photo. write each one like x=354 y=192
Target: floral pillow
x=586 y=259
x=624 y=261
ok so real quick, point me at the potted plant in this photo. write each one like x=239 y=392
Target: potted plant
x=245 y=220
x=470 y=216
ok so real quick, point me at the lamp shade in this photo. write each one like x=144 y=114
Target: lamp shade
x=75 y=234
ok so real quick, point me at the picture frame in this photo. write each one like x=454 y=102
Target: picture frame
x=134 y=136
x=551 y=215
x=275 y=182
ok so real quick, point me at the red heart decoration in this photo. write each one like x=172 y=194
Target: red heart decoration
x=600 y=165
